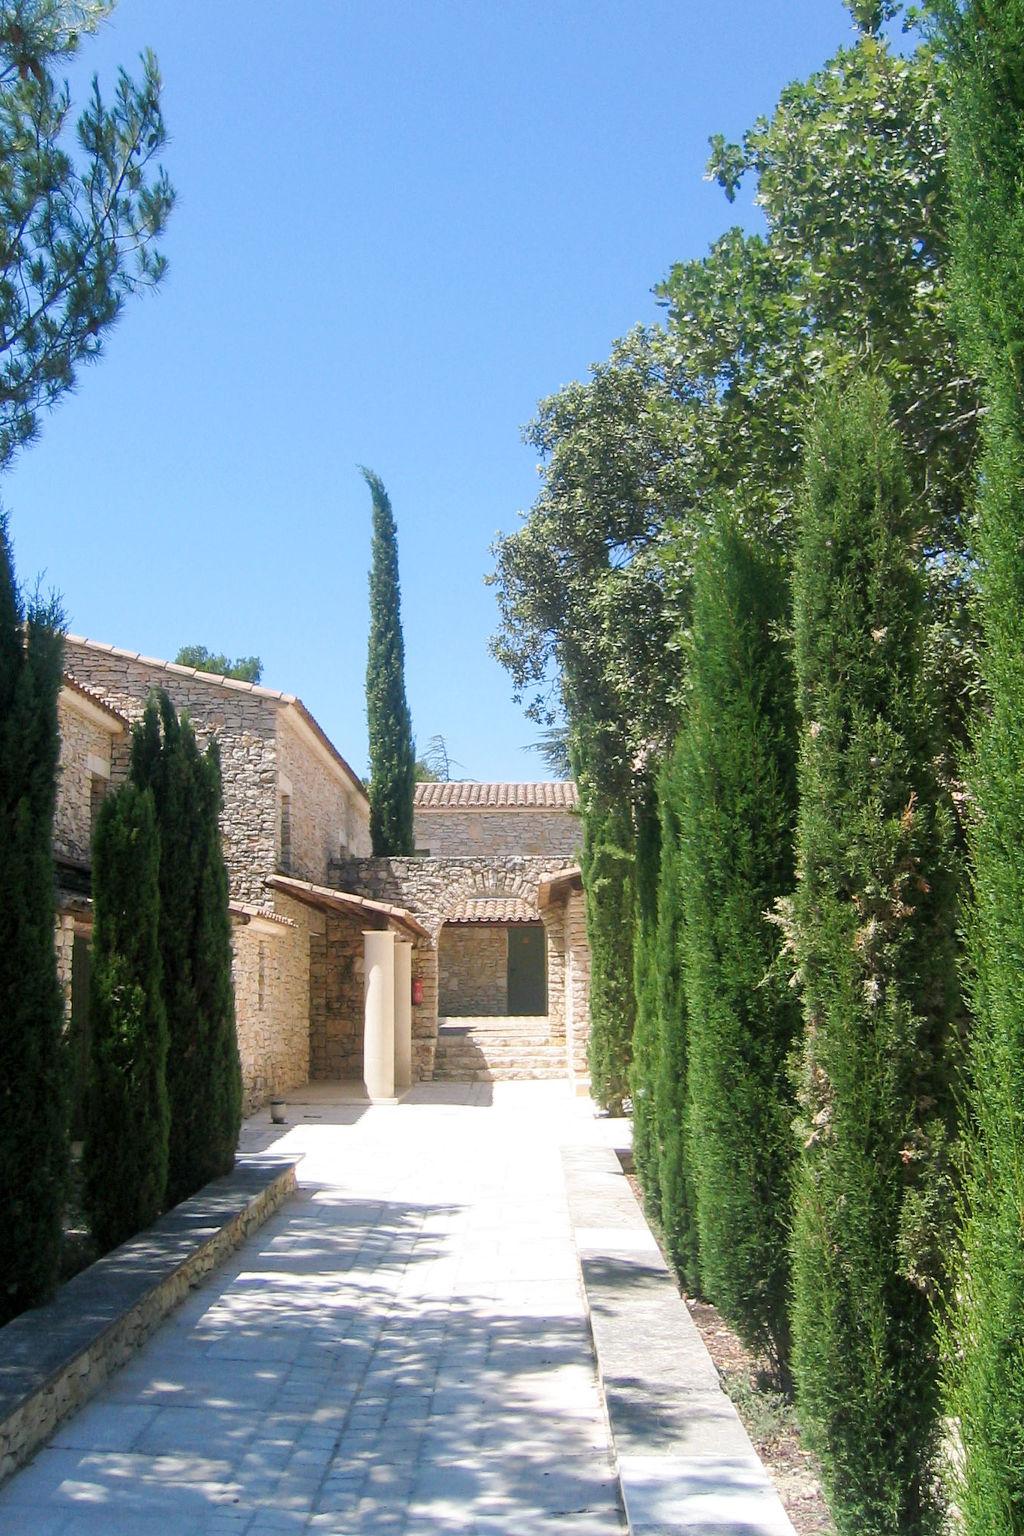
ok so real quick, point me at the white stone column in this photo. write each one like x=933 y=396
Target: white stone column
x=379 y=1027
x=403 y=1014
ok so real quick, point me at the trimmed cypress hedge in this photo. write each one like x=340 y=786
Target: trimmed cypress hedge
x=873 y=934
x=608 y=866
x=984 y=1355
x=33 y=1088
x=203 y=1071
x=676 y=1197
x=221 y=1110
x=392 y=754
x=643 y=1070
x=124 y=1161
x=738 y=816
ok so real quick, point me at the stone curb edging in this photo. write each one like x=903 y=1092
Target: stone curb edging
x=685 y=1463
x=55 y=1357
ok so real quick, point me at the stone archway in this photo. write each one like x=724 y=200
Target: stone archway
x=492 y=947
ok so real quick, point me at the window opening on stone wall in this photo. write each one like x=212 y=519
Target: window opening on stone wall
x=286 y=833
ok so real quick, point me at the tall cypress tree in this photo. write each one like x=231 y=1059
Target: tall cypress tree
x=220 y=1116
x=738 y=820
x=203 y=1073
x=33 y=1132
x=609 y=888
x=392 y=753
x=873 y=928
x=643 y=1070
x=125 y=1154
x=985 y=1354
x=677 y=1199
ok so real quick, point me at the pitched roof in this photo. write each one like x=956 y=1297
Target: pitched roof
x=557 y=887
x=558 y=795
x=327 y=899
x=96 y=699
x=494 y=909
x=237 y=685
x=246 y=911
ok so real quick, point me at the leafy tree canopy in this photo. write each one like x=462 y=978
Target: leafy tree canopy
x=246 y=669
x=80 y=211
x=850 y=172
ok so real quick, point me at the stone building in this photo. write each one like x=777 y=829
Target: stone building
x=291 y=804
x=486 y=920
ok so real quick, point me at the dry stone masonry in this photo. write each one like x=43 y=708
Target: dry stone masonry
x=294 y=807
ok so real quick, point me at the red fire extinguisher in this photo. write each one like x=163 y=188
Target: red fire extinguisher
x=417 y=991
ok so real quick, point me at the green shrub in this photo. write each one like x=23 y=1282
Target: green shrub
x=738 y=819
x=873 y=935
x=124 y=1161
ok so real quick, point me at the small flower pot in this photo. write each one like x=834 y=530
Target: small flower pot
x=277 y=1108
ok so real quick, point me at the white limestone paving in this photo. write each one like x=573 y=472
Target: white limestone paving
x=406 y=1347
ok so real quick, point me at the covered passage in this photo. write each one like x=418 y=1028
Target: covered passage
x=360 y=987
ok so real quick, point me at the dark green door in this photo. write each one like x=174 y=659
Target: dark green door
x=527 y=982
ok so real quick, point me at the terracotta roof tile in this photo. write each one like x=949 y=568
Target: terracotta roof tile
x=494 y=909
x=558 y=795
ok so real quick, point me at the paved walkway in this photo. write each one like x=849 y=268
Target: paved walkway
x=402 y=1349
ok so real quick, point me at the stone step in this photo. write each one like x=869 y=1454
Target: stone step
x=496 y=1043
x=444 y=1074
x=448 y=1032
x=539 y=1031
x=483 y=1049
x=471 y=1056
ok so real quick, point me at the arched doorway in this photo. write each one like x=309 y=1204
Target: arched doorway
x=492 y=961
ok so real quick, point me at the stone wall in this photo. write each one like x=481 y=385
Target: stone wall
x=554 y=928
x=431 y=889
x=57 y=1356
x=424 y=1014
x=336 y=1040
x=577 y=986
x=272 y=1001
x=461 y=834
x=325 y=822
x=85 y=756
x=472 y=963
x=244 y=724
x=64 y=943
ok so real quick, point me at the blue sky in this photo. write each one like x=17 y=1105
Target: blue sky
x=400 y=224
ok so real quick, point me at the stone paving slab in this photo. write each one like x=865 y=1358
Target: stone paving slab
x=403 y=1349
x=56 y=1356
x=407 y=1348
